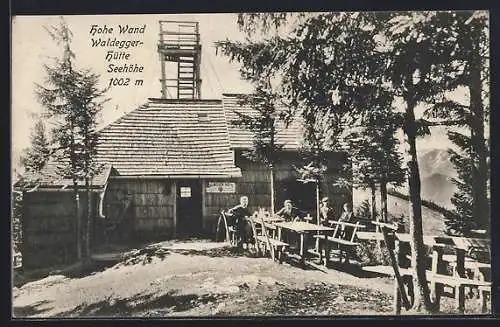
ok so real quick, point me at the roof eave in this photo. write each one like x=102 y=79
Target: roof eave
x=179 y=176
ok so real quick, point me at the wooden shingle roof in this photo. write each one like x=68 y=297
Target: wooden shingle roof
x=170 y=138
x=50 y=177
x=240 y=138
x=174 y=138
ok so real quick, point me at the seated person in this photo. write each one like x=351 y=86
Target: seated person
x=240 y=213
x=325 y=211
x=347 y=214
x=288 y=212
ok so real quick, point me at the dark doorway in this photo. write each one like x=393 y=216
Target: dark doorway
x=303 y=196
x=189 y=214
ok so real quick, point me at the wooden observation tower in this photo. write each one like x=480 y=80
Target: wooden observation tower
x=180 y=52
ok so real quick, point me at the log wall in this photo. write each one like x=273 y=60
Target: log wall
x=151 y=214
x=49 y=227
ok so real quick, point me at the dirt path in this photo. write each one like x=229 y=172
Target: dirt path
x=200 y=279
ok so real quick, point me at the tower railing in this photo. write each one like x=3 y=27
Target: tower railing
x=180 y=44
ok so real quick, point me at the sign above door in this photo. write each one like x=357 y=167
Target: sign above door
x=221 y=187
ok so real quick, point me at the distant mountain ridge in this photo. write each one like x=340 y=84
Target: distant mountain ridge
x=435 y=161
x=436 y=171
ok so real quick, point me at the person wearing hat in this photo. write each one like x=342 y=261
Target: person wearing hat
x=288 y=212
x=325 y=211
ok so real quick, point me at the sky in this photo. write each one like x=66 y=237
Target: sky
x=32 y=47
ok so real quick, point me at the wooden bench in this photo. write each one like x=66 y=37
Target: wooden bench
x=370 y=227
x=370 y=236
x=343 y=238
x=455 y=282
x=438 y=278
x=265 y=243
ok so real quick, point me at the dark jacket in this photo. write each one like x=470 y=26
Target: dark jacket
x=234 y=217
x=326 y=215
x=288 y=215
x=238 y=212
x=243 y=227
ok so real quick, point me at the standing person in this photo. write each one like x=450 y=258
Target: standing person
x=325 y=211
x=288 y=212
x=240 y=213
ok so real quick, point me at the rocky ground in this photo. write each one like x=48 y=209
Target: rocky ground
x=201 y=278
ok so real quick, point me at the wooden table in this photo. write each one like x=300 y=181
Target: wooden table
x=302 y=228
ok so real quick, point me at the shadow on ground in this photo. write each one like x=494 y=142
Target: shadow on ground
x=167 y=303
x=218 y=252
x=352 y=269
x=30 y=310
x=327 y=299
x=77 y=270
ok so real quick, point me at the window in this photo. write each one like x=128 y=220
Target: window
x=203 y=117
x=185 y=192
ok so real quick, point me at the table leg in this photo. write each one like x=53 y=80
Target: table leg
x=319 y=249
x=327 y=251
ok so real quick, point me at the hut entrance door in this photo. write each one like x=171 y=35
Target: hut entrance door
x=189 y=216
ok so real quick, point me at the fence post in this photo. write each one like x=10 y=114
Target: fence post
x=397 y=293
x=437 y=263
x=460 y=289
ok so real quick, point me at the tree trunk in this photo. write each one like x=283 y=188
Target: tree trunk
x=89 y=218
x=78 y=221
x=272 y=158
x=480 y=210
x=373 y=211
x=373 y=202
x=383 y=200
x=76 y=197
x=317 y=203
x=272 y=190
x=421 y=289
